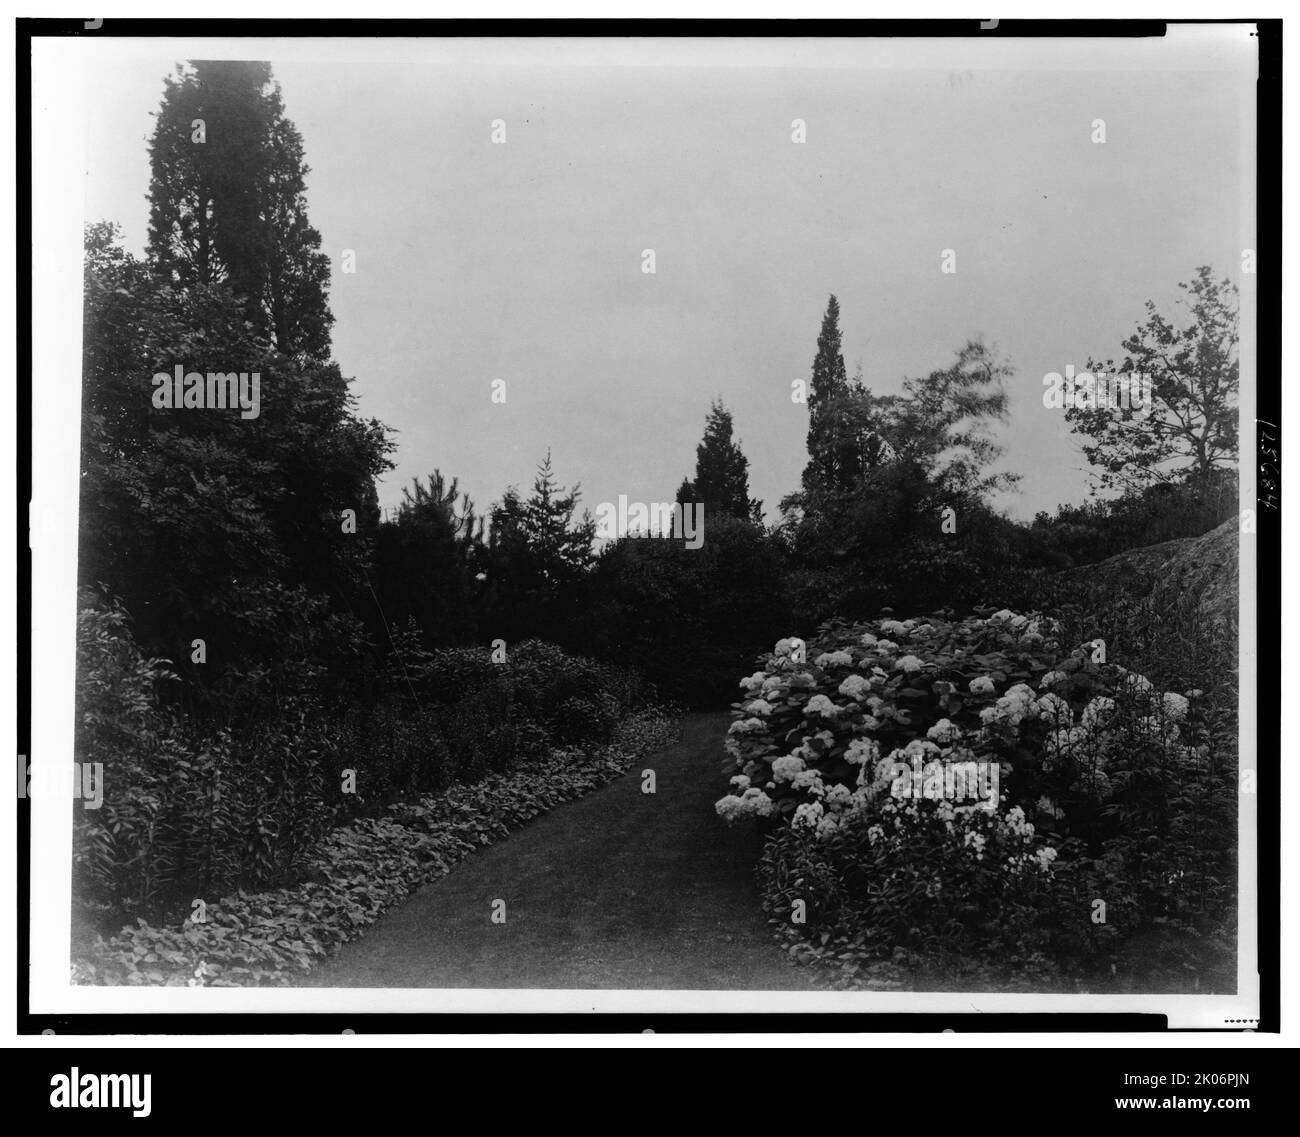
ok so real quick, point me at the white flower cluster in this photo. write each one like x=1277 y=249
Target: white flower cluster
x=784 y=769
x=921 y=748
x=838 y=797
x=1015 y=705
x=752 y=803
x=1175 y=705
x=809 y=780
x=1017 y=823
x=1014 y=619
x=1134 y=684
x=1053 y=709
x=836 y=807
x=1098 y=712
x=834 y=659
x=808 y=815
x=943 y=732
x=1097 y=736
x=1008 y=840
x=863 y=752
x=821 y=705
x=855 y=687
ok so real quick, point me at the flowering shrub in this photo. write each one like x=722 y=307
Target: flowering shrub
x=931 y=772
x=866 y=691
x=920 y=876
x=1063 y=732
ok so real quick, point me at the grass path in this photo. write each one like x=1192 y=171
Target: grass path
x=617 y=890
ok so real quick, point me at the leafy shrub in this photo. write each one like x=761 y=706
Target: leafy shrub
x=449 y=674
x=1167 y=511
x=119 y=856
x=195 y=806
x=357 y=872
x=920 y=876
x=686 y=618
x=480 y=730
x=568 y=699
x=1101 y=780
x=397 y=749
x=185 y=810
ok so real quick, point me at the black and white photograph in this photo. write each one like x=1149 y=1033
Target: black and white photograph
x=686 y=523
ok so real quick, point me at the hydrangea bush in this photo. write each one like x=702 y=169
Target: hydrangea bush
x=825 y=725
x=862 y=748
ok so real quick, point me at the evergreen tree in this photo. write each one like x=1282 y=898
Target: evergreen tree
x=904 y=460
x=721 y=481
x=830 y=460
x=427 y=556
x=205 y=521
x=227 y=202
x=540 y=556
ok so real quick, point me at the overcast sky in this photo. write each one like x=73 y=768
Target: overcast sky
x=522 y=261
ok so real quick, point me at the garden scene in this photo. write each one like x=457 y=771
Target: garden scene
x=841 y=713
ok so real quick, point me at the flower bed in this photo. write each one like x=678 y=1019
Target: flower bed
x=359 y=871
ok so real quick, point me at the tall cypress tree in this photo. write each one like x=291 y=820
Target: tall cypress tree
x=200 y=521
x=827 y=453
x=227 y=202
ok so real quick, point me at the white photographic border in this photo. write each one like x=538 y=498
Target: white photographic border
x=61 y=94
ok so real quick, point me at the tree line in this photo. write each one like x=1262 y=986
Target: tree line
x=206 y=527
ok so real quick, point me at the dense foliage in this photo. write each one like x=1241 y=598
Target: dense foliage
x=969 y=790
x=354 y=875
x=1190 y=431
x=192 y=810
